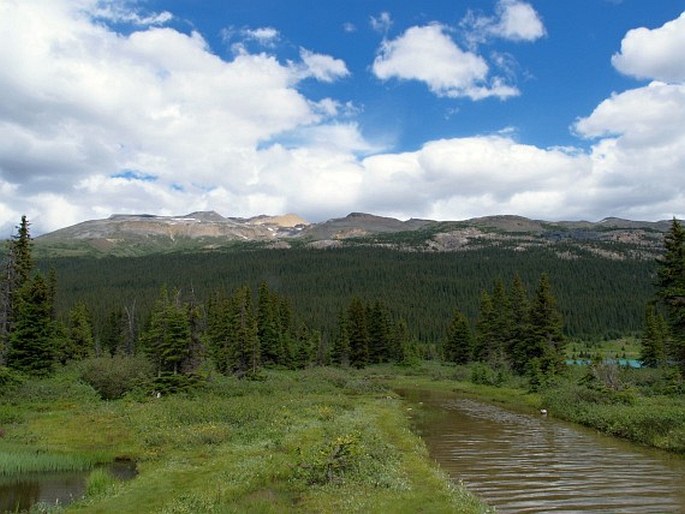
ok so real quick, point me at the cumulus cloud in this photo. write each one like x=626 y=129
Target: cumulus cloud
x=81 y=102
x=428 y=54
x=514 y=20
x=94 y=122
x=654 y=53
x=321 y=67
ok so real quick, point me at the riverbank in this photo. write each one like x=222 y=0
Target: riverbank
x=319 y=440
x=644 y=406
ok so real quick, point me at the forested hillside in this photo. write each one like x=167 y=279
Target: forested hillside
x=599 y=297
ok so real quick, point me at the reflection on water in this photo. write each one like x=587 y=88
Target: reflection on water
x=18 y=493
x=525 y=463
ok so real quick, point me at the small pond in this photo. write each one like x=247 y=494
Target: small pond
x=19 y=493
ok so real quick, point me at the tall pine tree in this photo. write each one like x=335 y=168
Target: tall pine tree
x=671 y=288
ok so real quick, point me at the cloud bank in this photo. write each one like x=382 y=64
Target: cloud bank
x=95 y=121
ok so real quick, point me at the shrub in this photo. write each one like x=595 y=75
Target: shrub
x=112 y=377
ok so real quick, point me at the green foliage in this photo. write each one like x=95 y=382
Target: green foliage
x=167 y=341
x=22 y=461
x=100 y=482
x=458 y=347
x=671 y=288
x=32 y=346
x=598 y=297
x=655 y=338
x=113 y=377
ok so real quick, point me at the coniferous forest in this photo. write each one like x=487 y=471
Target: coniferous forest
x=172 y=355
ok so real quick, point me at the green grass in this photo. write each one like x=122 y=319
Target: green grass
x=319 y=440
x=24 y=461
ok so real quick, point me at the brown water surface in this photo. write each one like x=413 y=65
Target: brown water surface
x=529 y=463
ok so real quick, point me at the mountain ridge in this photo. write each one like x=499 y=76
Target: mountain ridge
x=137 y=234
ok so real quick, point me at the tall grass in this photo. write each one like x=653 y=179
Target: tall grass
x=13 y=463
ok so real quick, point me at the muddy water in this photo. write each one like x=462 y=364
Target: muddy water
x=528 y=463
x=19 y=493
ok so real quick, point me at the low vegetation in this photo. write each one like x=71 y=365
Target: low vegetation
x=316 y=440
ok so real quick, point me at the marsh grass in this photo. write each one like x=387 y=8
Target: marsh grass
x=20 y=462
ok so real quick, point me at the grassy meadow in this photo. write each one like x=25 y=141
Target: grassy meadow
x=318 y=440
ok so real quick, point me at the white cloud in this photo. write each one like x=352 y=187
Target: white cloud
x=654 y=54
x=81 y=104
x=429 y=55
x=382 y=22
x=321 y=67
x=514 y=20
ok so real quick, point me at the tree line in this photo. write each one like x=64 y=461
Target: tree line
x=241 y=330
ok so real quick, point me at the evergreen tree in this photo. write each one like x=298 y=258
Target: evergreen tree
x=244 y=351
x=546 y=340
x=407 y=352
x=485 y=329
x=501 y=324
x=340 y=353
x=15 y=274
x=79 y=341
x=379 y=324
x=358 y=333
x=458 y=347
x=654 y=339
x=671 y=288
x=168 y=339
x=270 y=322
x=32 y=340
x=520 y=326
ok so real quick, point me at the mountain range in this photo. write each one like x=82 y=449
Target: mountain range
x=128 y=235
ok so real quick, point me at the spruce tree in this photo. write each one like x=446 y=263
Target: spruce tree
x=168 y=339
x=379 y=325
x=32 y=345
x=358 y=333
x=546 y=341
x=485 y=329
x=654 y=338
x=79 y=342
x=520 y=325
x=340 y=353
x=458 y=346
x=16 y=272
x=671 y=288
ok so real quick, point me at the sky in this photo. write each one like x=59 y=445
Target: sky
x=431 y=109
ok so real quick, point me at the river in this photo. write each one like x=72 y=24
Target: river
x=532 y=463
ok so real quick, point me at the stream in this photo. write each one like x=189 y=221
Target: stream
x=532 y=463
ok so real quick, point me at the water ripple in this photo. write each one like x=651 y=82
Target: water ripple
x=523 y=463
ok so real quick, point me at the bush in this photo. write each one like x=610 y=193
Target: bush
x=112 y=377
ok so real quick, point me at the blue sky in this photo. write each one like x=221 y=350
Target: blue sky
x=435 y=109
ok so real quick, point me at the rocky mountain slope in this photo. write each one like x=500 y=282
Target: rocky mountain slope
x=198 y=231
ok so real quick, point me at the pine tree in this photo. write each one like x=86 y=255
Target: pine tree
x=340 y=353
x=485 y=329
x=79 y=342
x=269 y=326
x=32 y=341
x=654 y=338
x=245 y=357
x=458 y=347
x=379 y=324
x=520 y=326
x=546 y=340
x=167 y=340
x=407 y=352
x=671 y=288
x=16 y=273
x=358 y=333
